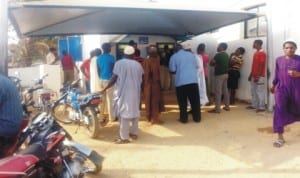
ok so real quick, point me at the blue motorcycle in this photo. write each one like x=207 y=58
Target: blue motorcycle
x=74 y=107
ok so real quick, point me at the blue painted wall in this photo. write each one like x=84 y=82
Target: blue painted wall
x=72 y=45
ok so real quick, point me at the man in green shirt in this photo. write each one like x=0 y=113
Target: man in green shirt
x=221 y=64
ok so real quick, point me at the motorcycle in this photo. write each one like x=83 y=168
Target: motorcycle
x=50 y=153
x=43 y=100
x=74 y=107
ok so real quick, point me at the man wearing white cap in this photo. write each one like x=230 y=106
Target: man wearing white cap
x=127 y=77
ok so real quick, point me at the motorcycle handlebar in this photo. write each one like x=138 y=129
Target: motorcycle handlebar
x=67 y=85
x=30 y=90
x=40 y=80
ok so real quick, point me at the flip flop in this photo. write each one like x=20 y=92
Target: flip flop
x=278 y=143
x=121 y=141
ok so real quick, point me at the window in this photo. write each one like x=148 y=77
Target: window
x=256 y=27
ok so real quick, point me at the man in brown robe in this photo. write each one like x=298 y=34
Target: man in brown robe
x=152 y=93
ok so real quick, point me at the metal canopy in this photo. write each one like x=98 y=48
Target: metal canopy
x=44 y=18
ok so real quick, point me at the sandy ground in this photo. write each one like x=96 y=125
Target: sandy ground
x=232 y=144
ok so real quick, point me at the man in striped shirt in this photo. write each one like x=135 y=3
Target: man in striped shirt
x=235 y=63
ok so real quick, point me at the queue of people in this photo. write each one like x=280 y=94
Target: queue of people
x=122 y=83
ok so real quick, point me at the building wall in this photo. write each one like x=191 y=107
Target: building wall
x=27 y=75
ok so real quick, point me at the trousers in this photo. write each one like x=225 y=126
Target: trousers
x=221 y=88
x=258 y=93
x=126 y=128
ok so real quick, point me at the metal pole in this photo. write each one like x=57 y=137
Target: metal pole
x=3 y=36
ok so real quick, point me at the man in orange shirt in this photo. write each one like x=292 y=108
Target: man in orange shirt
x=257 y=77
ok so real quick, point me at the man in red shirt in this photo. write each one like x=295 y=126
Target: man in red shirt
x=68 y=66
x=257 y=77
x=85 y=69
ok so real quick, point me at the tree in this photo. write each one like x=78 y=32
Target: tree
x=30 y=50
x=27 y=50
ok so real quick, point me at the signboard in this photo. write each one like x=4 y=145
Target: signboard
x=143 y=40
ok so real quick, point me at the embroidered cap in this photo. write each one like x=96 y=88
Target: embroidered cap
x=128 y=50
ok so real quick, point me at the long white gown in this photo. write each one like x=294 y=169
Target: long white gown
x=201 y=80
x=94 y=76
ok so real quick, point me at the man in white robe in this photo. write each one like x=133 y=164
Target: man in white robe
x=201 y=80
x=127 y=79
x=94 y=76
x=95 y=81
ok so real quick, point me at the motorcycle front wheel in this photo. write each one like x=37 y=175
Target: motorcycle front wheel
x=91 y=122
x=93 y=163
x=61 y=112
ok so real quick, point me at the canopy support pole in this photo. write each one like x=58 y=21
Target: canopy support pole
x=3 y=36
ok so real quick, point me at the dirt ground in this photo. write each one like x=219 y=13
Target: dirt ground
x=232 y=144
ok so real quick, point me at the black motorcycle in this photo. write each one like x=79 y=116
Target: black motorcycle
x=51 y=153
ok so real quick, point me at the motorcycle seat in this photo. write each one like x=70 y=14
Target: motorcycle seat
x=16 y=165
